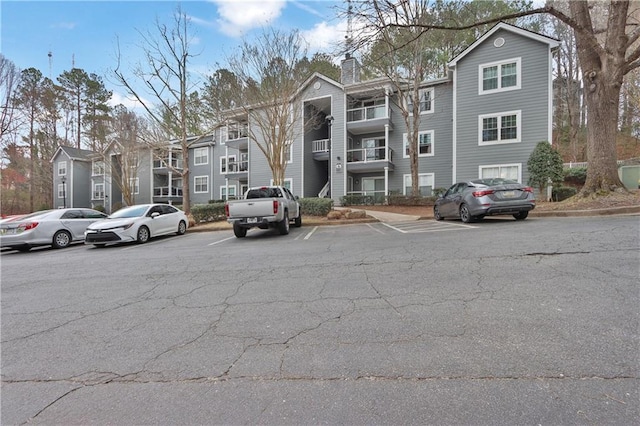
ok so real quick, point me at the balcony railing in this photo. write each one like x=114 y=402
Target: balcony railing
x=369 y=154
x=321 y=145
x=167 y=191
x=176 y=163
x=367 y=113
x=237 y=166
x=237 y=133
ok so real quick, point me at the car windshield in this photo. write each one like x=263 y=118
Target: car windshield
x=133 y=211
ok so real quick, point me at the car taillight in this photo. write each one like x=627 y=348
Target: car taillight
x=275 y=207
x=482 y=193
x=528 y=189
x=28 y=225
x=226 y=210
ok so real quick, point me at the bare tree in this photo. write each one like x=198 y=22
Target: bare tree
x=165 y=77
x=9 y=82
x=266 y=70
x=606 y=54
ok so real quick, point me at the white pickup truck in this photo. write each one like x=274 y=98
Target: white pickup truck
x=264 y=207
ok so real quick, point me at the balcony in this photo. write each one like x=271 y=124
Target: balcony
x=368 y=119
x=238 y=136
x=163 y=163
x=320 y=149
x=167 y=191
x=363 y=160
x=238 y=169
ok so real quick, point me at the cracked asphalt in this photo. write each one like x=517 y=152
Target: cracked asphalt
x=528 y=322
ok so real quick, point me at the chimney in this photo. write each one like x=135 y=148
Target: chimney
x=350 y=70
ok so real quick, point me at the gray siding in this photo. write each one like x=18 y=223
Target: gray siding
x=531 y=100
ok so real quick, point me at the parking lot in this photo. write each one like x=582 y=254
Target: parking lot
x=422 y=322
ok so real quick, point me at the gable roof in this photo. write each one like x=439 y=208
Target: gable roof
x=552 y=42
x=75 y=153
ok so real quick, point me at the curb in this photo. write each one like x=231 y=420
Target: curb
x=221 y=226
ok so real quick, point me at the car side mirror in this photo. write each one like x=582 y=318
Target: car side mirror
x=154 y=215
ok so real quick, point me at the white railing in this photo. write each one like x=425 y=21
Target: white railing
x=321 y=145
x=166 y=191
x=325 y=190
x=367 y=113
x=176 y=163
x=238 y=166
x=369 y=154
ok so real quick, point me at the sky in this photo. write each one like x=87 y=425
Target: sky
x=54 y=36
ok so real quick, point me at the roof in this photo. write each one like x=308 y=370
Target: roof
x=75 y=153
x=552 y=42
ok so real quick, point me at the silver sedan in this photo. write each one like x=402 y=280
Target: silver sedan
x=475 y=199
x=57 y=228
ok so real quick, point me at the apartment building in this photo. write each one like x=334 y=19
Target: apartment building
x=483 y=120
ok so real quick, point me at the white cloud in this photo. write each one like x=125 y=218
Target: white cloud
x=325 y=37
x=130 y=103
x=238 y=17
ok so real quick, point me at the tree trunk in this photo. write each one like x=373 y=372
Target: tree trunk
x=602 y=126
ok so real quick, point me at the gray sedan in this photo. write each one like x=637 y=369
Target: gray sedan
x=57 y=228
x=475 y=199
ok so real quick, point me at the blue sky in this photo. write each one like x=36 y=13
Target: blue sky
x=86 y=33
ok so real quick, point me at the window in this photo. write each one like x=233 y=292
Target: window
x=223 y=192
x=288 y=183
x=134 y=184
x=499 y=128
x=425 y=184
x=288 y=149
x=200 y=156
x=500 y=76
x=61 y=190
x=228 y=164
x=98 y=191
x=97 y=168
x=425 y=144
x=62 y=168
x=426 y=101
x=201 y=184
x=504 y=171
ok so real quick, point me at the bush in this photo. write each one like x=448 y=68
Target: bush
x=315 y=206
x=358 y=200
x=208 y=212
x=576 y=176
x=99 y=208
x=408 y=200
x=561 y=193
x=544 y=165
x=439 y=191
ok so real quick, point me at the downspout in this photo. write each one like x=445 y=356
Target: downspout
x=454 y=144
x=386 y=153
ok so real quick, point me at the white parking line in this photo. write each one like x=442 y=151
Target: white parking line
x=375 y=229
x=430 y=226
x=310 y=233
x=221 y=241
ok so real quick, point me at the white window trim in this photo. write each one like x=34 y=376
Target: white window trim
x=94 y=190
x=290 y=180
x=223 y=189
x=206 y=156
x=227 y=159
x=404 y=179
x=60 y=190
x=499 y=64
x=433 y=144
x=433 y=105
x=62 y=166
x=499 y=116
x=489 y=166
x=206 y=178
x=135 y=182
x=290 y=147
x=95 y=164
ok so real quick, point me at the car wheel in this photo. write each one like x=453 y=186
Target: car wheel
x=182 y=228
x=298 y=220
x=143 y=234
x=521 y=215
x=283 y=226
x=436 y=213
x=239 y=231
x=61 y=239
x=465 y=215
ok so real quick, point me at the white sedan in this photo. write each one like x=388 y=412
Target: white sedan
x=137 y=223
